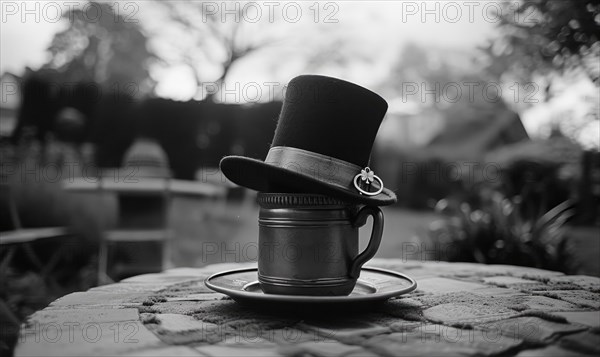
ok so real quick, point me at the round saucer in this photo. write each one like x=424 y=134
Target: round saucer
x=374 y=285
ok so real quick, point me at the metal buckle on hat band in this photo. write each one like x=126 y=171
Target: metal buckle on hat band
x=325 y=168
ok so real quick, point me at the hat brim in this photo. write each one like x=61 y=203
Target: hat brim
x=263 y=177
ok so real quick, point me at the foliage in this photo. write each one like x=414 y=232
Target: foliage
x=34 y=274
x=544 y=36
x=196 y=134
x=437 y=68
x=520 y=221
x=104 y=48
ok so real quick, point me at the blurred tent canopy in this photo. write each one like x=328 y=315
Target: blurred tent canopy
x=557 y=150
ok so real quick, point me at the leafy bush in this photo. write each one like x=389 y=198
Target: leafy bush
x=35 y=273
x=519 y=221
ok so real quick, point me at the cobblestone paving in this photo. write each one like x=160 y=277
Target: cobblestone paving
x=457 y=309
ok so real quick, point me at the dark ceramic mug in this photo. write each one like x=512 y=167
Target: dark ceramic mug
x=308 y=243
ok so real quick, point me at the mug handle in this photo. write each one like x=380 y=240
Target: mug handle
x=359 y=220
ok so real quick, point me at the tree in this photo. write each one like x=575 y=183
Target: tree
x=546 y=36
x=435 y=77
x=99 y=46
x=214 y=39
x=104 y=47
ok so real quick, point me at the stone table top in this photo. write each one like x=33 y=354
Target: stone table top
x=457 y=309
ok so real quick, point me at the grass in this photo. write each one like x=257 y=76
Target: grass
x=208 y=232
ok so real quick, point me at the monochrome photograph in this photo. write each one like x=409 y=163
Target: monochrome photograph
x=300 y=178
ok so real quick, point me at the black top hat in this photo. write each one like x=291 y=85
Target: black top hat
x=322 y=144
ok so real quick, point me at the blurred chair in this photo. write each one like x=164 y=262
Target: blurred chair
x=140 y=241
x=14 y=238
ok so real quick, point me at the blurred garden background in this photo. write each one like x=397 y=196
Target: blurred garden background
x=491 y=139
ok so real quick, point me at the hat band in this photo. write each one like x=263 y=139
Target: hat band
x=324 y=168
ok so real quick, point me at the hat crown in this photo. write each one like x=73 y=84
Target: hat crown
x=331 y=117
x=321 y=145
